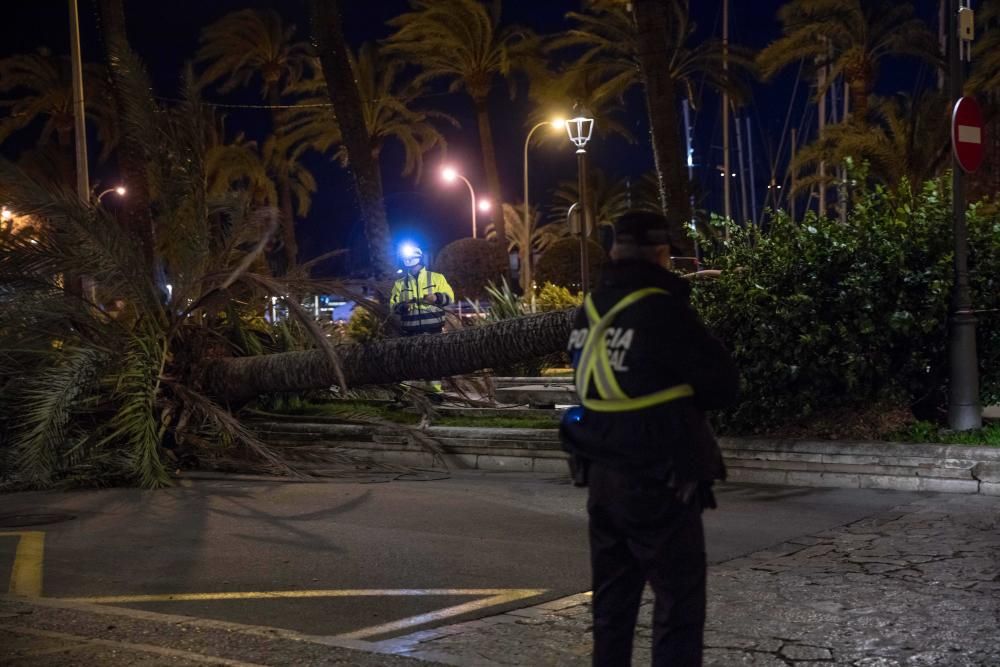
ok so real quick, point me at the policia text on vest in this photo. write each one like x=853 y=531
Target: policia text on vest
x=646 y=371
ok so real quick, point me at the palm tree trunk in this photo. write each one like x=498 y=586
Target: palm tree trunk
x=428 y=357
x=131 y=157
x=664 y=124
x=490 y=165
x=328 y=38
x=860 y=89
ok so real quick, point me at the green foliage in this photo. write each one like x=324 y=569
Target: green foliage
x=104 y=388
x=929 y=432
x=390 y=105
x=822 y=315
x=504 y=303
x=555 y=297
x=470 y=265
x=560 y=264
x=365 y=326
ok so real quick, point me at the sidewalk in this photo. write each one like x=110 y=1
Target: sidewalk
x=918 y=585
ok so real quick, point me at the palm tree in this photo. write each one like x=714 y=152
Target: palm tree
x=499 y=345
x=528 y=237
x=851 y=37
x=461 y=41
x=241 y=48
x=651 y=45
x=559 y=90
x=611 y=199
x=389 y=107
x=284 y=157
x=101 y=387
x=130 y=91
x=985 y=76
x=44 y=86
x=348 y=109
x=238 y=165
x=985 y=80
x=903 y=137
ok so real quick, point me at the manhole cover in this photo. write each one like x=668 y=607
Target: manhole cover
x=40 y=519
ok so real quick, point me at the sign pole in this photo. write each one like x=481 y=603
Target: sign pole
x=964 y=410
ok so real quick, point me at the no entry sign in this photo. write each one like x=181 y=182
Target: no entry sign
x=967 y=135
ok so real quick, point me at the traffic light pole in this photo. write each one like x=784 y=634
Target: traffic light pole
x=964 y=410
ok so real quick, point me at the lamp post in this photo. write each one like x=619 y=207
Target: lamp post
x=964 y=410
x=119 y=190
x=579 y=130
x=449 y=174
x=557 y=124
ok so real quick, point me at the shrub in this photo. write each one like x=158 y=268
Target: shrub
x=560 y=263
x=364 y=326
x=470 y=265
x=554 y=297
x=821 y=315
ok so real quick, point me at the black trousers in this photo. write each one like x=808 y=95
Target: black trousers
x=639 y=532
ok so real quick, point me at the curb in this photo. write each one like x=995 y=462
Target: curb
x=813 y=463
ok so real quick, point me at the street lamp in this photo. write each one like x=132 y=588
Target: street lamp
x=119 y=190
x=485 y=205
x=6 y=214
x=557 y=124
x=448 y=175
x=579 y=130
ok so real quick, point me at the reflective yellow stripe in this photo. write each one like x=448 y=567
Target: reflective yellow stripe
x=640 y=403
x=595 y=363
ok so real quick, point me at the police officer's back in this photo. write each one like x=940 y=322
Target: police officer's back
x=647 y=369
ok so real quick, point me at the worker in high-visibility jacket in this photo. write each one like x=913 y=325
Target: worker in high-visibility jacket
x=646 y=371
x=418 y=298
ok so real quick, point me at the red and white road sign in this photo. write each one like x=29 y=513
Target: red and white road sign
x=968 y=136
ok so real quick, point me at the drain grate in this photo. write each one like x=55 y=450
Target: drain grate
x=39 y=519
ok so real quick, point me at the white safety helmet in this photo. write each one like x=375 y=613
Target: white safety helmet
x=411 y=255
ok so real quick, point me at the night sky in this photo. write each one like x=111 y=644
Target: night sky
x=166 y=35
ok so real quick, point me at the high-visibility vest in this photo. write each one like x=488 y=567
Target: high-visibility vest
x=595 y=364
x=411 y=290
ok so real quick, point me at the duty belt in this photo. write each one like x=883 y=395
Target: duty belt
x=595 y=363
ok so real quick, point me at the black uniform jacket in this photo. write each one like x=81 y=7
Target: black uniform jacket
x=660 y=342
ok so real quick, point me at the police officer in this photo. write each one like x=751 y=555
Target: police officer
x=646 y=371
x=420 y=295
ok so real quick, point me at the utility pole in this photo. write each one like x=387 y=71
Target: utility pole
x=791 y=166
x=753 y=181
x=964 y=410
x=743 y=174
x=690 y=164
x=821 y=116
x=727 y=207
x=79 y=117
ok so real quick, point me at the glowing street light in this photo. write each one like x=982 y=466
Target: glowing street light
x=6 y=214
x=450 y=175
x=119 y=190
x=579 y=130
x=555 y=124
x=485 y=206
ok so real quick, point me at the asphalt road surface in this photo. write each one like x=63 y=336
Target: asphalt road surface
x=365 y=560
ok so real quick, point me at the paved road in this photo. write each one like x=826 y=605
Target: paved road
x=294 y=555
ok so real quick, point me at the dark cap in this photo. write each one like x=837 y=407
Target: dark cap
x=642 y=228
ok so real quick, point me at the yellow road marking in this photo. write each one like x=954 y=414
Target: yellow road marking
x=322 y=593
x=26 y=575
x=508 y=595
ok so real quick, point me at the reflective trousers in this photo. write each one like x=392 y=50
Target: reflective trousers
x=639 y=532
